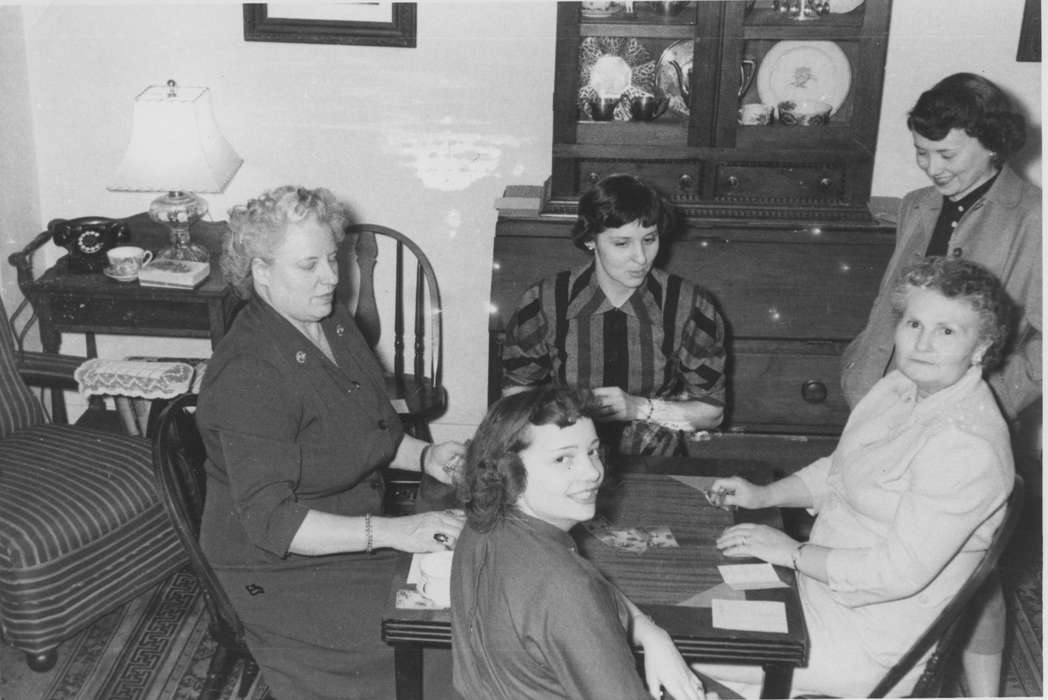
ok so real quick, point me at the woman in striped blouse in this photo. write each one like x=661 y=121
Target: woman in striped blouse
x=648 y=343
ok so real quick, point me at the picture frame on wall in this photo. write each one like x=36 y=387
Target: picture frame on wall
x=390 y=24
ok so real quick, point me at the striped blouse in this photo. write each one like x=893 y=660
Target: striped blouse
x=666 y=340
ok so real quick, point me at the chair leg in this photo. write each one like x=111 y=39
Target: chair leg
x=218 y=671
x=43 y=661
x=248 y=676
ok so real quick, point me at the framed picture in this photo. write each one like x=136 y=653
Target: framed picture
x=1030 y=33
x=365 y=23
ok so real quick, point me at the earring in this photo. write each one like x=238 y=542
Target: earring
x=589 y=246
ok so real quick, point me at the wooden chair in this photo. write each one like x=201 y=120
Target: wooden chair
x=947 y=634
x=178 y=461
x=82 y=530
x=379 y=300
x=414 y=380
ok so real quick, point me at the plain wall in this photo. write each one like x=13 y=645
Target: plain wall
x=422 y=140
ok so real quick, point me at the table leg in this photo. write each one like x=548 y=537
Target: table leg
x=407 y=668
x=778 y=678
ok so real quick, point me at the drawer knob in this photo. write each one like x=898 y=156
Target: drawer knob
x=593 y=178
x=814 y=391
x=685 y=182
x=733 y=182
x=824 y=183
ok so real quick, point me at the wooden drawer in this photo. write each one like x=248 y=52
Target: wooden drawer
x=786 y=183
x=777 y=386
x=675 y=179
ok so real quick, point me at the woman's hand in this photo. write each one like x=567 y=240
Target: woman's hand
x=739 y=492
x=663 y=665
x=431 y=531
x=616 y=404
x=760 y=541
x=444 y=460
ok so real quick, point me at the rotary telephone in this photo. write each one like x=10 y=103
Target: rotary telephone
x=87 y=239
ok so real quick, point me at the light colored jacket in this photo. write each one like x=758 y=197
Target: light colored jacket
x=908 y=504
x=1002 y=232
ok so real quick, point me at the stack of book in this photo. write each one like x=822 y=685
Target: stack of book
x=180 y=274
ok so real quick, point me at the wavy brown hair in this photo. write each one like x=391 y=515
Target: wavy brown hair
x=494 y=475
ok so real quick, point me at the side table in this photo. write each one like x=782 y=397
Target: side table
x=90 y=303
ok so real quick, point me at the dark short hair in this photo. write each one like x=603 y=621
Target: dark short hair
x=494 y=475
x=974 y=104
x=616 y=201
x=956 y=278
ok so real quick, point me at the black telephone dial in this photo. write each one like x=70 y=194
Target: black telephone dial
x=87 y=239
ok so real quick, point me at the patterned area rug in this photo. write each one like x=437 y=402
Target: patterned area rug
x=155 y=648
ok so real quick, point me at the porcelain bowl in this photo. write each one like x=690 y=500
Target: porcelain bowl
x=804 y=113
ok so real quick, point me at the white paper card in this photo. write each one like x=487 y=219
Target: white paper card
x=752 y=615
x=399 y=405
x=413 y=572
x=749 y=577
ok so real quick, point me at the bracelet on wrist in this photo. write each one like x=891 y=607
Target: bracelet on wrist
x=796 y=556
x=422 y=458
x=369 y=533
x=649 y=412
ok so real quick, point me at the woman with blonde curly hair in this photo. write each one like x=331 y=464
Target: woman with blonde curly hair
x=297 y=427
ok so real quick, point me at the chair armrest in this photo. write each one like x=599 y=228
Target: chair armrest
x=23 y=260
x=49 y=369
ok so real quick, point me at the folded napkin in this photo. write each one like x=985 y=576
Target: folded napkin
x=137 y=378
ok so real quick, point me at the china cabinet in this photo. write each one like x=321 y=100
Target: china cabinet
x=777 y=221
x=705 y=67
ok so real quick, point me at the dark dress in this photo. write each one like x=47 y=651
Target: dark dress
x=287 y=431
x=530 y=618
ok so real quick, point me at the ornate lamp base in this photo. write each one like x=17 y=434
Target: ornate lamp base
x=179 y=211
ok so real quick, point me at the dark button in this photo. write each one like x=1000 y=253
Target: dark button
x=382 y=424
x=957 y=252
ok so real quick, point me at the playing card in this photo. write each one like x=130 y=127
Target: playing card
x=661 y=537
x=410 y=599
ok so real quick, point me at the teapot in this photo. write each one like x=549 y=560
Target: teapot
x=747 y=70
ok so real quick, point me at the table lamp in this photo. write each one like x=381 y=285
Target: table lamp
x=176 y=148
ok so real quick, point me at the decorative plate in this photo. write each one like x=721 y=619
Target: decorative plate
x=804 y=70
x=841 y=6
x=614 y=66
x=674 y=83
x=108 y=272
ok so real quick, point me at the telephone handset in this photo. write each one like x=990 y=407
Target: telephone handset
x=87 y=239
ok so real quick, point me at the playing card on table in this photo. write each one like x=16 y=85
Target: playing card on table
x=631 y=539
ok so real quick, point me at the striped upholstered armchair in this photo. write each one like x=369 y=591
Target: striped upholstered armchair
x=81 y=528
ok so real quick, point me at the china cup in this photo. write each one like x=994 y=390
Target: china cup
x=127 y=260
x=603 y=108
x=755 y=114
x=434 y=577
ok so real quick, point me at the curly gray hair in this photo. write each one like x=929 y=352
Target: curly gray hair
x=257 y=229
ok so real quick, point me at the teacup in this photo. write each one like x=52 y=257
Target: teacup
x=756 y=114
x=647 y=107
x=434 y=577
x=127 y=260
x=603 y=108
x=804 y=113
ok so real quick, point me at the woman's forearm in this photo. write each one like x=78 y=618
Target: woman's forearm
x=326 y=533
x=409 y=454
x=698 y=415
x=790 y=492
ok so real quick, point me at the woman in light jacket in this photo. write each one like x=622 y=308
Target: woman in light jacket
x=978 y=208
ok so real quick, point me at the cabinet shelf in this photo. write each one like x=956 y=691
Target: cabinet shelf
x=694 y=157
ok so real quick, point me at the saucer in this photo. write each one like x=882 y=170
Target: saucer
x=108 y=272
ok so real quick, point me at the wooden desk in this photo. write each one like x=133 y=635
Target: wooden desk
x=657 y=581
x=91 y=303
